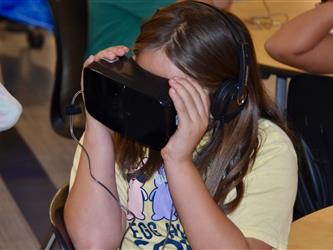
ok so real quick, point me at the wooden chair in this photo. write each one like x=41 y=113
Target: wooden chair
x=56 y=215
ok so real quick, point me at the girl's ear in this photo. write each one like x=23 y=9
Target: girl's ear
x=134 y=57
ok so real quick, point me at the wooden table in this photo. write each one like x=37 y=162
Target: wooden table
x=314 y=231
x=248 y=9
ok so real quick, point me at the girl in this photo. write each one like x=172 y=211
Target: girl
x=216 y=184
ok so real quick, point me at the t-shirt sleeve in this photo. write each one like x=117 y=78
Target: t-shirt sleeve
x=265 y=212
x=75 y=165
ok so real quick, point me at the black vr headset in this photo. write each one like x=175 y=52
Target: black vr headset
x=132 y=101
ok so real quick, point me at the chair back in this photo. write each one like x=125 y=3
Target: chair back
x=56 y=214
x=311 y=115
x=70 y=30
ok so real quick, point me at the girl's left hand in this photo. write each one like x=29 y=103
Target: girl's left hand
x=192 y=105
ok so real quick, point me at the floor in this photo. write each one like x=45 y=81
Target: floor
x=34 y=160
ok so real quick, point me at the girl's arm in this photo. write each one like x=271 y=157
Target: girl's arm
x=93 y=218
x=305 y=42
x=206 y=226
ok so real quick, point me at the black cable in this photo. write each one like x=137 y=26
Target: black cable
x=88 y=157
x=73 y=107
x=90 y=169
x=167 y=236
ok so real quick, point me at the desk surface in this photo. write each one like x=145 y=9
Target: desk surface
x=314 y=231
x=247 y=9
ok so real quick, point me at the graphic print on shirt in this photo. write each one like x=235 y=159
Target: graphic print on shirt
x=161 y=199
x=136 y=198
x=150 y=201
x=147 y=236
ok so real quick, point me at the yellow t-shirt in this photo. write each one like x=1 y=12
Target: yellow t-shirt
x=265 y=212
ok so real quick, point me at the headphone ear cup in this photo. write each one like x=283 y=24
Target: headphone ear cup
x=224 y=105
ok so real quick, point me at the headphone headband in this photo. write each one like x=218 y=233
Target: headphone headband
x=240 y=39
x=244 y=57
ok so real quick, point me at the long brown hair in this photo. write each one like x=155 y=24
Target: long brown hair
x=196 y=39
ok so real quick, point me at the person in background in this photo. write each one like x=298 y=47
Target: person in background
x=114 y=22
x=305 y=42
x=217 y=184
x=10 y=108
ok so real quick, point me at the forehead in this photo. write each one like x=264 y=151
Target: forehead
x=157 y=63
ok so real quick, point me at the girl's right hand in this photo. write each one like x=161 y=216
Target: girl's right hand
x=193 y=109
x=110 y=54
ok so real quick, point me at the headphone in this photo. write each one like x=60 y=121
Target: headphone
x=231 y=95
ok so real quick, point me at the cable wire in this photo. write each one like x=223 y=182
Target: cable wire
x=125 y=209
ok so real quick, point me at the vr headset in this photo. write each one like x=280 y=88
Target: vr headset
x=130 y=100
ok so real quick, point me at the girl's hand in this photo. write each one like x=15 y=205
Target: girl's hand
x=110 y=54
x=192 y=105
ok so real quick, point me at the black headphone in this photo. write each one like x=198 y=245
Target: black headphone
x=231 y=96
